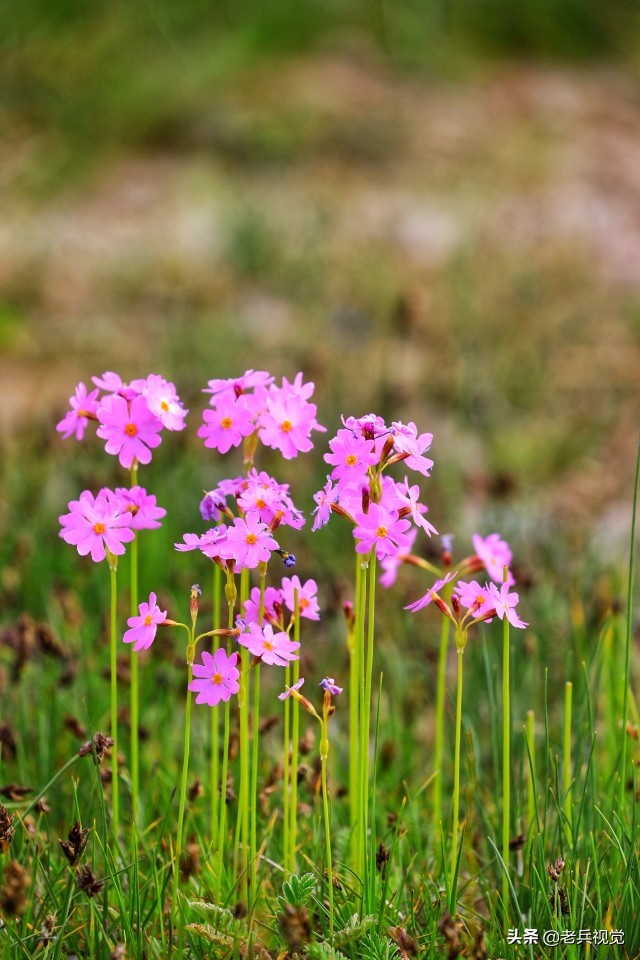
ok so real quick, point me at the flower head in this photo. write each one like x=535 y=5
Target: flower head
x=164 y=402
x=272 y=648
x=329 y=684
x=130 y=429
x=143 y=628
x=307 y=599
x=431 y=594
x=505 y=604
x=495 y=554
x=248 y=542
x=289 y=418
x=293 y=688
x=97 y=524
x=351 y=456
x=83 y=405
x=227 y=423
x=216 y=678
x=143 y=507
x=380 y=529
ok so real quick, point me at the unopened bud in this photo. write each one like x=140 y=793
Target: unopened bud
x=194 y=600
x=366 y=499
x=455 y=603
x=349 y=613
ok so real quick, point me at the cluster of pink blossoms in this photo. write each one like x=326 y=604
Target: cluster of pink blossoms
x=130 y=416
x=482 y=602
x=105 y=522
x=381 y=509
x=282 y=417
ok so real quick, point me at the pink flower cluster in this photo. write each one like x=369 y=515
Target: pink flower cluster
x=130 y=416
x=247 y=542
x=95 y=525
x=282 y=417
x=257 y=492
x=483 y=602
x=381 y=509
x=275 y=600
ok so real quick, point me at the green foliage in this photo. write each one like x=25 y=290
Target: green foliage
x=324 y=951
x=373 y=946
x=296 y=891
x=354 y=930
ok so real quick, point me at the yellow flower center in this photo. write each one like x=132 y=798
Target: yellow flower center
x=131 y=429
x=260 y=504
x=351 y=460
x=267 y=645
x=164 y=405
x=217 y=678
x=226 y=422
x=381 y=531
x=286 y=425
x=99 y=528
x=303 y=603
x=148 y=620
x=251 y=538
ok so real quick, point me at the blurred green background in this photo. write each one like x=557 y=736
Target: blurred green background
x=431 y=209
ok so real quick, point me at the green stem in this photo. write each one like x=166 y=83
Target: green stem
x=286 y=771
x=134 y=692
x=370 y=870
x=215 y=722
x=241 y=847
x=627 y=652
x=183 y=781
x=566 y=767
x=295 y=737
x=324 y=753
x=363 y=746
x=230 y=592
x=453 y=893
x=531 y=775
x=354 y=706
x=439 y=732
x=255 y=743
x=506 y=764
x=115 y=820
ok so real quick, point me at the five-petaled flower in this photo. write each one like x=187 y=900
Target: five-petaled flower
x=216 y=678
x=143 y=628
x=95 y=525
x=272 y=648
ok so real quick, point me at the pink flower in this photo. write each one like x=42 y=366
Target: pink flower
x=329 y=684
x=252 y=605
x=380 y=529
x=289 y=419
x=474 y=597
x=392 y=563
x=351 y=456
x=216 y=678
x=130 y=429
x=97 y=524
x=273 y=648
x=324 y=498
x=248 y=542
x=191 y=542
x=294 y=687
x=407 y=442
x=76 y=419
x=249 y=380
x=408 y=496
x=270 y=499
x=495 y=554
x=505 y=604
x=164 y=402
x=143 y=507
x=307 y=599
x=142 y=629
x=227 y=423
x=110 y=382
x=431 y=594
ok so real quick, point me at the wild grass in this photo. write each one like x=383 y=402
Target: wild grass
x=572 y=829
